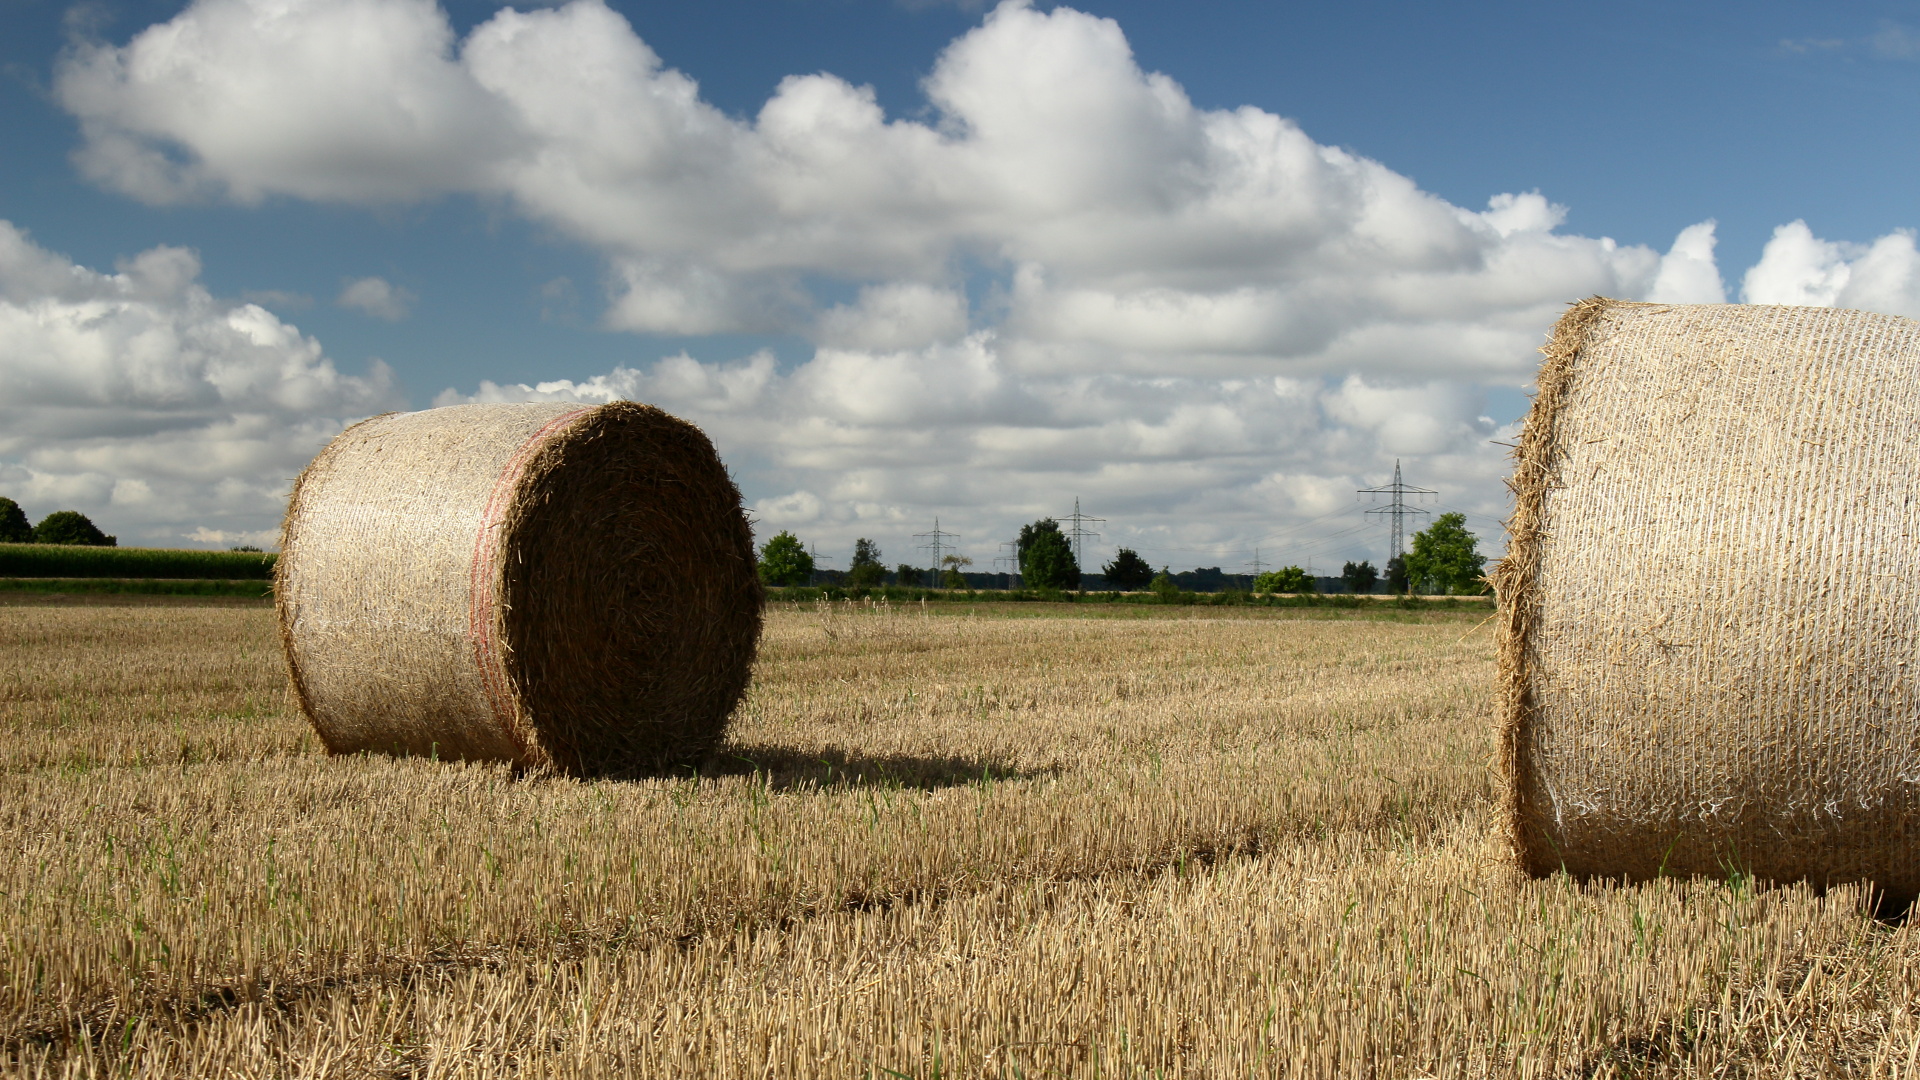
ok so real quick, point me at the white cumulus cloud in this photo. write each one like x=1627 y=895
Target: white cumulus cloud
x=1126 y=227
x=332 y=99
x=140 y=398
x=1062 y=279
x=378 y=298
x=896 y=316
x=1689 y=274
x=1797 y=267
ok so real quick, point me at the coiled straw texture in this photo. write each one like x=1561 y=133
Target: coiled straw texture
x=1708 y=655
x=554 y=585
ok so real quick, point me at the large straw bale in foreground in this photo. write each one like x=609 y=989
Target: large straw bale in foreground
x=552 y=585
x=1711 y=600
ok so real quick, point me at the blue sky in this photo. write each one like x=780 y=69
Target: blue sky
x=1638 y=123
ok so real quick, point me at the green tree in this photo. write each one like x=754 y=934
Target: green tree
x=1359 y=576
x=70 y=527
x=1046 y=559
x=784 y=562
x=1397 y=574
x=906 y=575
x=1287 y=579
x=1444 y=558
x=14 y=526
x=866 y=570
x=1165 y=589
x=953 y=578
x=1127 y=570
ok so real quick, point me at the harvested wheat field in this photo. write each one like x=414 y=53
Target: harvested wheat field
x=1209 y=842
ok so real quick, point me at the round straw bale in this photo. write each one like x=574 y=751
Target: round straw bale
x=1709 y=658
x=553 y=585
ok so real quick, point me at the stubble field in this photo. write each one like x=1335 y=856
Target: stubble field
x=1018 y=842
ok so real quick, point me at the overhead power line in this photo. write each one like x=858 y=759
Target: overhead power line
x=1289 y=530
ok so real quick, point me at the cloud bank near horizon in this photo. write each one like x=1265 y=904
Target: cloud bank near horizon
x=141 y=398
x=1067 y=280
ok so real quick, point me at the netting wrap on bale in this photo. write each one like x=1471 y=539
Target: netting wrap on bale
x=548 y=584
x=1708 y=654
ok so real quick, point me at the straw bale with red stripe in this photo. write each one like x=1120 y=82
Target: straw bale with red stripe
x=554 y=585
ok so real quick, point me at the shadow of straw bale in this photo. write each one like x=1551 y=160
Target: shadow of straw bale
x=1892 y=910
x=788 y=768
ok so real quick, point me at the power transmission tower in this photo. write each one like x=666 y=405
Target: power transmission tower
x=1011 y=560
x=1256 y=563
x=819 y=563
x=1078 y=533
x=938 y=542
x=1397 y=510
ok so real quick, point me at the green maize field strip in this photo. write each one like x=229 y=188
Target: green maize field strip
x=68 y=561
x=139 y=586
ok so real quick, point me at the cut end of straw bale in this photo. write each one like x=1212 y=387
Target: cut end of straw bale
x=554 y=585
x=1709 y=660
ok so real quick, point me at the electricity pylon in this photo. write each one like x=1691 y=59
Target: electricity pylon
x=1011 y=560
x=1255 y=562
x=938 y=543
x=1078 y=533
x=1397 y=510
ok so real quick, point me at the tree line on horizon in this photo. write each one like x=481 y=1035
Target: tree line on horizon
x=70 y=527
x=1443 y=558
